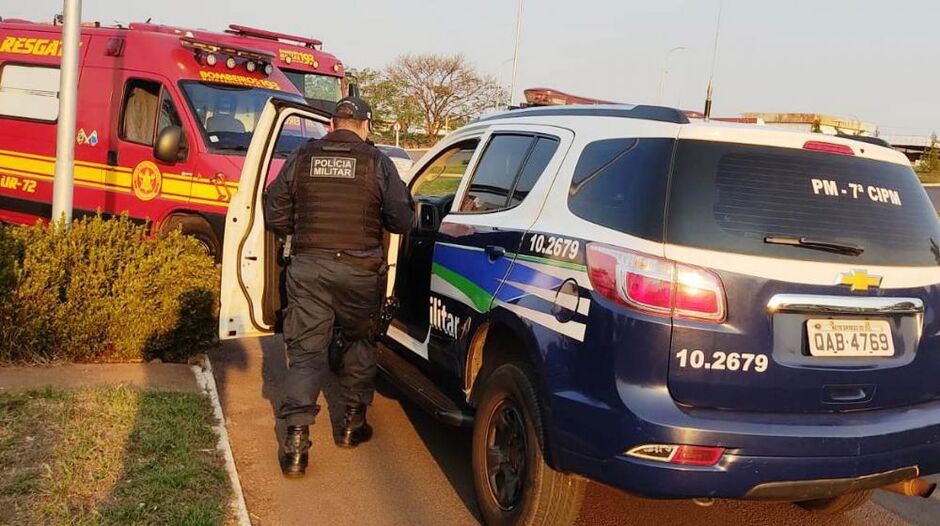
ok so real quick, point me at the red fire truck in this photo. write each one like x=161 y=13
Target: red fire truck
x=165 y=117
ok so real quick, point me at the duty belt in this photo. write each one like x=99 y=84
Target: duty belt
x=370 y=263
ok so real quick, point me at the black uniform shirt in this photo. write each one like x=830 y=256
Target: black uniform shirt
x=397 y=204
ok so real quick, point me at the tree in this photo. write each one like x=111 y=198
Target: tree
x=388 y=103
x=443 y=89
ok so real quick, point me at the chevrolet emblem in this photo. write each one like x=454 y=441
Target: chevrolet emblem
x=859 y=280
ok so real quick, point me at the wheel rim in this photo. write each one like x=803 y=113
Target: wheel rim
x=206 y=246
x=506 y=454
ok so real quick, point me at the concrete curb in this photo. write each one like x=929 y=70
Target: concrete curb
x=206 y=380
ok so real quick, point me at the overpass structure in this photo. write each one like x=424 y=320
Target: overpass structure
x=913 y=146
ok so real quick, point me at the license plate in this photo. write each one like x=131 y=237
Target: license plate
x=850 y=338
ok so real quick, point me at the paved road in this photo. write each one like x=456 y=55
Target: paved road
x=416 y=471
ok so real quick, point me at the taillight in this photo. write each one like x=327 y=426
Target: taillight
x=698 y=455
x=678 y=454
x=655 y=285
x=828 y=147
x=699 y=294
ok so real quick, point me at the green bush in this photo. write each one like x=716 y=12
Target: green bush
x=103 y=290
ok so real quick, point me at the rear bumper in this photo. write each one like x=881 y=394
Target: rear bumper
x=767 y=457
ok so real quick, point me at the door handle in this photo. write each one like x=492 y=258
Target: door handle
x=495 y=252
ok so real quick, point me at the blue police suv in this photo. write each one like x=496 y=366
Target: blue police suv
x=677 y=309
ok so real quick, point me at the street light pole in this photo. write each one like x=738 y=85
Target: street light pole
x=68 y=94
x=515 y=55
x=662 y=77
x=499 y=89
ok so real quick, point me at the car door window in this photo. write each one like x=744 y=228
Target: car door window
x=538 y=160
x=139 y=117
x=496 y=173
x=168 y=116
x=148 y=110
x=442 y=177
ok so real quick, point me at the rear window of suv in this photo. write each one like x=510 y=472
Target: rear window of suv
x=732 y=197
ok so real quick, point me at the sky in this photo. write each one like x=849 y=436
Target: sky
x=867 y=59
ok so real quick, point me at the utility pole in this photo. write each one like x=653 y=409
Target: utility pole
x=68 y=95
x=711 y=76
x=515 y=55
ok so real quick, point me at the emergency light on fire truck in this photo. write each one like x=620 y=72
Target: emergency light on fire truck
x=211 y=53
x=312 y=43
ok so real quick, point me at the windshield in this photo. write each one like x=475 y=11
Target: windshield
x=227 y=116
x=796 y=204
x=315 y=86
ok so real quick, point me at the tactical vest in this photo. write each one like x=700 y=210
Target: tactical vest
x=337 y=198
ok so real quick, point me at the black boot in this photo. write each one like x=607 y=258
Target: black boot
x=355 y=428
x=296 y=446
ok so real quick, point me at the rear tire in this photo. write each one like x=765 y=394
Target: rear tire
x=514 y=485
x=198 y=228
x=840 y=504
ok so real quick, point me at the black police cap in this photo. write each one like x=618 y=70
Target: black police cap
x=353 y=108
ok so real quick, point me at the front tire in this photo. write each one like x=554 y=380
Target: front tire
x=197 y=228
x=840 y=504
x=514 y=485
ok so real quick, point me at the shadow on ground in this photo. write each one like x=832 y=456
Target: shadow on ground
x=450 y=446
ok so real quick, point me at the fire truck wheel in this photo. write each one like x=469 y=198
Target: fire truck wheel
x=197 y=228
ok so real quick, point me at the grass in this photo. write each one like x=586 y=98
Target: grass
x=109 y=456
x=443 y=185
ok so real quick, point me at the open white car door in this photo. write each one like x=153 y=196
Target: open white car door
x=250 y=272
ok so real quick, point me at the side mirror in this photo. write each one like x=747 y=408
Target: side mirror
x=427 y=218
x=170 y=146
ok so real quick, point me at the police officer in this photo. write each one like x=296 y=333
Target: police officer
x=334 y=196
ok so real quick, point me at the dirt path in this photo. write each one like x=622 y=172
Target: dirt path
x=175 y=377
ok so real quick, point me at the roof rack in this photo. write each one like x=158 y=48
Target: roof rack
x=206 y=46
x=236 y=29
x=651 y=113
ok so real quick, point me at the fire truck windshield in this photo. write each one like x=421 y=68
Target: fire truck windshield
x=227 y=116
x=314 y=86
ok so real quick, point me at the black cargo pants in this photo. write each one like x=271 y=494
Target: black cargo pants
x=323 y=290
